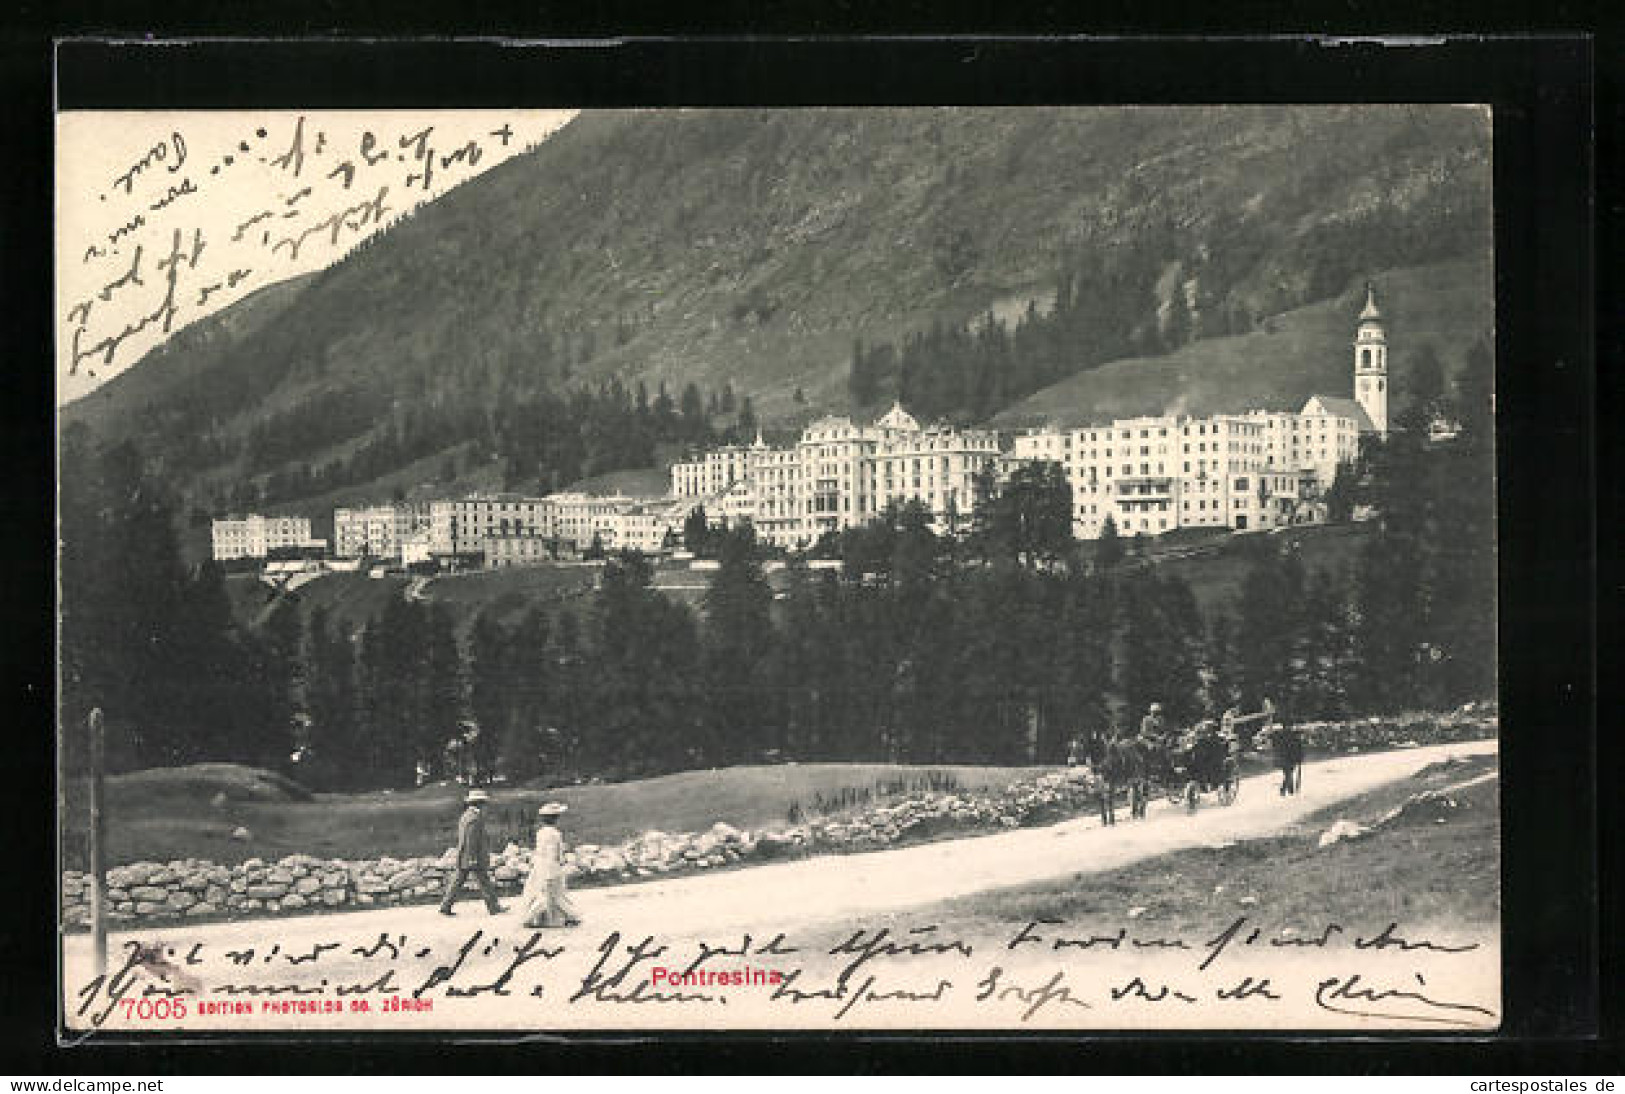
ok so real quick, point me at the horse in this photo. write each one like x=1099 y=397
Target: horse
x=1287 y=744
x=1121 y=762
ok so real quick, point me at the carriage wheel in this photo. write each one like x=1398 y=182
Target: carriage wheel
x=1229 y=789
x=1176 y=793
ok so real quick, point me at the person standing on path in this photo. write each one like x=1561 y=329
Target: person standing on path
x=472 y=857
x=546 y=902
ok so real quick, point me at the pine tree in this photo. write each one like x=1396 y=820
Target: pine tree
x=697 y=532
x=1394 y=592
x=1109 y=547
x=1324 y=649
x=1268 y=623
x=492 y=676
x=440 y=690
x=738 y=634
x=1027 y=519
x=862 y=380
x=1162 y=647
x=534 y=745
x=336 y=753
x=692 y=410
x=283 y=659
x=1426 y=381
x=154 y=646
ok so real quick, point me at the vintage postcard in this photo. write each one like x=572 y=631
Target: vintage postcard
x=1016 y=569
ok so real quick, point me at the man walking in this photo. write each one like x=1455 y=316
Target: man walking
x=472 y=859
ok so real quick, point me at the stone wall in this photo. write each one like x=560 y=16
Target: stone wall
x=1471 y=722
x=190 y=889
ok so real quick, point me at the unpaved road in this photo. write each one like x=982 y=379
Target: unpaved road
x=843 y=887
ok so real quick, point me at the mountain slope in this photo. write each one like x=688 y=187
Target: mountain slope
x=755 y=247
x=201 y=352
x=1303 y=352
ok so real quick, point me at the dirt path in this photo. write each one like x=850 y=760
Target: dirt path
x=833 y=888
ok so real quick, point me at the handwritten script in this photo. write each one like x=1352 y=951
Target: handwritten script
x=253 y=198
x=1040 y=974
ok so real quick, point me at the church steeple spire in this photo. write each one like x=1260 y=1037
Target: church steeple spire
x=1370 y=310
x=1371 y=363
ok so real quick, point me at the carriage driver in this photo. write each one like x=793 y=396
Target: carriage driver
x=1152 y=726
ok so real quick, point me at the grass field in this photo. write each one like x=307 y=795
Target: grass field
x=356 y=598
x=191 y=812
x=1415 y=870
x=1297 y=354
x=1216 y=568
x=651 y=482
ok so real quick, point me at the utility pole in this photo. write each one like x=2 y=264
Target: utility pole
x=98 y=865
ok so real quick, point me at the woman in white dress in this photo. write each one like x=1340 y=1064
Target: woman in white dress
x=546 y=903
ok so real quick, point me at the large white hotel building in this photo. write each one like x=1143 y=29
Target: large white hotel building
x=1245 y=471
x=839 y=475
x=256 y=536
x=1258 y=469
x=507 y=529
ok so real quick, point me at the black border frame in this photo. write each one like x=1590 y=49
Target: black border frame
x=1542 y=92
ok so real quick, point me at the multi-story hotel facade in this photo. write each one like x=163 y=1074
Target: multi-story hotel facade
x=1154 y=474
x=255 y=536
x=377 y=531
x=1260 y=469
x=464 y=525
x=840 y=474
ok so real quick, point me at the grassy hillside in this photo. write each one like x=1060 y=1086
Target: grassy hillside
x=1296 y=354
x=1216 y=569
x=755 y=247
x=191 y=812
x=353 y=599
x=638 y=482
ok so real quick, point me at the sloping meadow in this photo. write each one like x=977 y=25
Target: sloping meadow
x=194 y=889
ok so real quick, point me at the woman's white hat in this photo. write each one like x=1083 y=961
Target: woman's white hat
x=475 y=797
x=552 y=809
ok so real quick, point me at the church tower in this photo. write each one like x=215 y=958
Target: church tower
x=1371 y=364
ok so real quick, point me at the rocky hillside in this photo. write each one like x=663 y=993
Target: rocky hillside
x=754 y=248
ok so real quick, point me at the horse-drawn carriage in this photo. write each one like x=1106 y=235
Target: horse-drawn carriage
x=1200 y=762
x=1204 y=760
